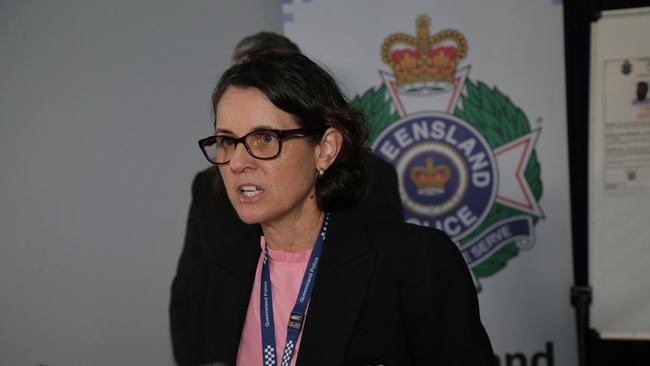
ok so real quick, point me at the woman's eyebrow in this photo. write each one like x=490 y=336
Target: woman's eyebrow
x=257 y=128
x=223 y=130
x=263 y=127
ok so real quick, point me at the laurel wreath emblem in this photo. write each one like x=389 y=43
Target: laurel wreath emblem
x=498 y=120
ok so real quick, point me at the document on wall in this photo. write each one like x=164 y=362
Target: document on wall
x=627 y=125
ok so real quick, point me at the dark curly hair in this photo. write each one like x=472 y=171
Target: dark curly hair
x=298 y=86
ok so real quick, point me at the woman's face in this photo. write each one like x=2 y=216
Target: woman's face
x=265 y=191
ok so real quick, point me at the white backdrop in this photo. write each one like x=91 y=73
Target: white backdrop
x=515 y=49
x=101 y=105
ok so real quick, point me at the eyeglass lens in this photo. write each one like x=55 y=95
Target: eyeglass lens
x=260 y=144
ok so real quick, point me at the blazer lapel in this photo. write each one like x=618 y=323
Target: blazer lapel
x=339 y=293
x=231 y=271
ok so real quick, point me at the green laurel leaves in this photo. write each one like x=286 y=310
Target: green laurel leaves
x=499 y=121
x=492 y=114
x=376 y=109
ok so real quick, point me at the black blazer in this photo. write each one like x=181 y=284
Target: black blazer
x=387 y=292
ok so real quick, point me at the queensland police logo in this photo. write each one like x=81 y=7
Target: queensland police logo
x=464 y=153
x=446 y=170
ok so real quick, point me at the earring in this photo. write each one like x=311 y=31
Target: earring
x=321 y=172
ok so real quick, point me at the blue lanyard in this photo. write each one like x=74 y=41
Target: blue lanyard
x=269 y=355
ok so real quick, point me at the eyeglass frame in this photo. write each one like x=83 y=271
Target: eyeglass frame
x=281 y=134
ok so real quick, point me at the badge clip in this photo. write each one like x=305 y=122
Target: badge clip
x=295 y=321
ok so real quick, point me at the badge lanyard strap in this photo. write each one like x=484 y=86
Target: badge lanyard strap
x=299 y=309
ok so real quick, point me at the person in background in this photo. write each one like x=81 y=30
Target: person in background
x=262 y=42
x=313 y=279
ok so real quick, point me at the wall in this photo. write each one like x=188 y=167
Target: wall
x=101 y=105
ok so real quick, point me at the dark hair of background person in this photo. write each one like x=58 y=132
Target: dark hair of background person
x=262 y=42
x=298 y=86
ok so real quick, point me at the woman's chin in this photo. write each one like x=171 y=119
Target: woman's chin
x=249 y=216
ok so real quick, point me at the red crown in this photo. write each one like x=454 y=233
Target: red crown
x=430 y=180
x=426 y=63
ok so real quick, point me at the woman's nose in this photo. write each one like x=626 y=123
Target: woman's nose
x=240 y=159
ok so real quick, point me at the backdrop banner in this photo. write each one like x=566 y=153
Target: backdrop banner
x=466 y=100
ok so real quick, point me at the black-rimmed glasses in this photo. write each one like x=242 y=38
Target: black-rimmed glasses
x=260 y=144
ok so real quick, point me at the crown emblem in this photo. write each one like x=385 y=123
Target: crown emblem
x=424 y=63
x=430 y=179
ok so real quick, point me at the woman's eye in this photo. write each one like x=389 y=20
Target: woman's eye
x=225 y=141
x=267 y=138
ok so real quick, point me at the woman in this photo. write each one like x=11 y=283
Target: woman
x=318 y=283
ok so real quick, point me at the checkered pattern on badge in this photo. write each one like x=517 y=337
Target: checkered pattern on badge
x=269 y=356
x=288 y=351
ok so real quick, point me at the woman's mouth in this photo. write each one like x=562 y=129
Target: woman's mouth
x=250 y=191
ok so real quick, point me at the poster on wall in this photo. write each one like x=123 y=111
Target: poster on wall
x=473 y=120
x=619 y=169
x=627 y=126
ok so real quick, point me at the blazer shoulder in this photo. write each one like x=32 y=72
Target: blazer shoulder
x=418 y=246
x=412 y=236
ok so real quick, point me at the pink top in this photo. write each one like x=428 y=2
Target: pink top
x=287 y=270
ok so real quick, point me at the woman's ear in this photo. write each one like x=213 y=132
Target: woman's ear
x=328 y=148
